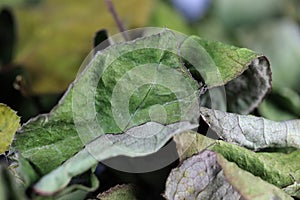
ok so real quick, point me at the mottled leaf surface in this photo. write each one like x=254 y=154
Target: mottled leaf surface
x=56 y=132
x=50 y=139
x=208 y=175
x=199 y=177
x=245 y=75
x=253 y=132
x=137 y=141
x=248 y=185
x=270 y=166
x=126 y=192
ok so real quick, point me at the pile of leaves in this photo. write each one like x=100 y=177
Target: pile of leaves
x=57 y=155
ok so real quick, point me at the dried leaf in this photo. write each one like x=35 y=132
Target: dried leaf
x=270 y=166
x=208 y=175
x=246 y=75
x=253 y=132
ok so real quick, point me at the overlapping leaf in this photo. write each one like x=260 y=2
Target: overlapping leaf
x=137 y=141
x=56 y=133
x=115 y=94
x=236 y=68
x=8 y=189
x=270 y=166
x=253 y=132
x=208 y=175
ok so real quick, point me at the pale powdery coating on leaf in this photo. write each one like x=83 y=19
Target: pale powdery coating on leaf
x=108 y=146
x=199 y=177
x=252 y=132
x=57 y=132
x=208 y=175
x=95 y=112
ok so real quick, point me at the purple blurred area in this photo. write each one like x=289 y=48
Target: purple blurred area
x=192 y=10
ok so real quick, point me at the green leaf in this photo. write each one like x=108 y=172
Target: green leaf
x=281 y=104
x=23 y=171
x=243 y=182
x=77 y=189
x=271 y=167
x=57 y=141
x=137 y=141
x=115 y=95
x=9 y=123
x=208 y=175
x=56 y=132
x=8 y=188
x=253 y=132
x=126 y=192
x=189 y=143
x=231 y=61
x=235 y=68
x=270 y=110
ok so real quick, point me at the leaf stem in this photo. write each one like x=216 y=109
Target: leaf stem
x=115 y=15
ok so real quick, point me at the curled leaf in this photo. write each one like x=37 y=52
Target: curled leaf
x=245 y=74
x=253 y=132
x=247 y=91
x=97 y=104
x=243 y=182
x=8 y=189
x=270 y=166
x=208 y=175
x=137 y=141
x=116 y=108
x=293 y=190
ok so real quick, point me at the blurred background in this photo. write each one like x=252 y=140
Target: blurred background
x=44 y=42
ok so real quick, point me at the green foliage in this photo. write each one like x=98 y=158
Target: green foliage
x=134 y=97
x=9 y=123
x=125 y=192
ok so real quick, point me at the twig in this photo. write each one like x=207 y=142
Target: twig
x=112 y=10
